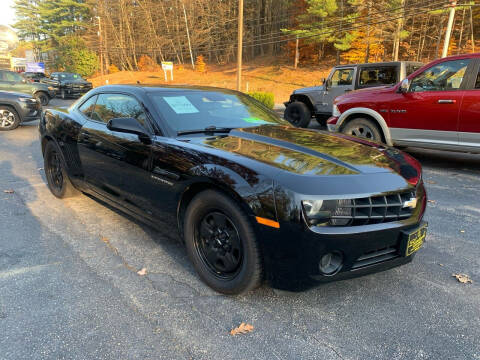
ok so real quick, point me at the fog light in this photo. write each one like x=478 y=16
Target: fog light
x=330 y=263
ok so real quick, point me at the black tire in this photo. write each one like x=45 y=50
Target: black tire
x=57 y=177
x=298 y=114
x=9 y=119
x=363 y=128
x=42 y=98
x=229 y=244
x=63 y=94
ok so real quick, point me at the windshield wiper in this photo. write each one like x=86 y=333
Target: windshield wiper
x=208 y=129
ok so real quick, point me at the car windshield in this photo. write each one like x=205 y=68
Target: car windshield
x=196 y=110
x=68 y=76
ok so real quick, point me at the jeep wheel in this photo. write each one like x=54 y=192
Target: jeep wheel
x=363 y=128
x=298 y=114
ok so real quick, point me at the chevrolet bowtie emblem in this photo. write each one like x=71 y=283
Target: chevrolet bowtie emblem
x=412 y=203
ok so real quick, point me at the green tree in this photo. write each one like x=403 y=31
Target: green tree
x=74 y=56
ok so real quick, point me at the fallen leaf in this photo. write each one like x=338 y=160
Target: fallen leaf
x=142 y=272
x=40 y=169
x=430 y=182
x=9 y=191
x=462 y=231
x=440 y=264
x=432 y=201
x=463 y=278
x=241 y=329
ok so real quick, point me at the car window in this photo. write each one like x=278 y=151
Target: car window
x=194 y=110
x=109 y=106
x=445 y=76
x=11 y=76
x=411 y=68
x=378 y=76
x=88 y=106
x=342 y=77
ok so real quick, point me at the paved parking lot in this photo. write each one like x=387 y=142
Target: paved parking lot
x=69 y=287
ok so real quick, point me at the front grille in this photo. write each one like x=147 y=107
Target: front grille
x=375 y=257
x=373 y=210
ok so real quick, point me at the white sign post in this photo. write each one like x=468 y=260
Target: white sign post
x=167 y=66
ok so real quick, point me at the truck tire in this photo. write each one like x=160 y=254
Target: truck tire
x=363 y=128
x=298 y=114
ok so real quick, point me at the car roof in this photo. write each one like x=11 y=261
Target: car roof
x=387 y=63
x=149 y=88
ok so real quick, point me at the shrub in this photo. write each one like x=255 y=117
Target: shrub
x=265 y=98
x=74 y=56
x=112 y=69
x=146 y=63
x=200 y=65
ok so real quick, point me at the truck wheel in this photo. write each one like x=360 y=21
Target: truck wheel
x=363 y=128
x=42 y=98
x=298 y=114
x=9 y=118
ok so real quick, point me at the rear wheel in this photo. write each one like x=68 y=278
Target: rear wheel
x=9 y=119
x=42 y=98
x=57 y=178
x=298 y=114
x=221 y=243
x=363 y=128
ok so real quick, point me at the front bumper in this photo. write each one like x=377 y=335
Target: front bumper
x=30 y=111
x=293 y=252
x=332 y=123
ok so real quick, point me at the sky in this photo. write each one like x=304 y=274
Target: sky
x=7 y=15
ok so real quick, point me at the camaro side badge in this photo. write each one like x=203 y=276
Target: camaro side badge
x=162 y=180
x=412 y=203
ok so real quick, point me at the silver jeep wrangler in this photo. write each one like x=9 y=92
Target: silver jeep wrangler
x=317 y=101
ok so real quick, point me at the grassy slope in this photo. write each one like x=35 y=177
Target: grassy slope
x=281 y=80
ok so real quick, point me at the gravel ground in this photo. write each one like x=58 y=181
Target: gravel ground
x=69 y=287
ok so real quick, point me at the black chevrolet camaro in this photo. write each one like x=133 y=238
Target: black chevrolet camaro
x=252 y=197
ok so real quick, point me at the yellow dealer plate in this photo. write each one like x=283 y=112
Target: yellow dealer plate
x=415 y=240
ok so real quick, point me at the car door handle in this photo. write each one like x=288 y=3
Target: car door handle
x=446 y=101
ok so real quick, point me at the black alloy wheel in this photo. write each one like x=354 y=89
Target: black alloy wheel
x=218 y=245
x=57 y=178
x=42 y=98
x=221 y=243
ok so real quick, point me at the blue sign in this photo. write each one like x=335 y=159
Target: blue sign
x=35 y=67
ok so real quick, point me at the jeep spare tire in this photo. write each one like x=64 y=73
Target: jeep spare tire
x=298 y=114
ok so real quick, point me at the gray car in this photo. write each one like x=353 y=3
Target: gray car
x=317 y=101
x=17 y=108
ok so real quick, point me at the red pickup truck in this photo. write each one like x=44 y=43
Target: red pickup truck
x=437 y=106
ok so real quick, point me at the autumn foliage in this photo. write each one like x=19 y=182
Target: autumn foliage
x=200 y=65
x=146 y=63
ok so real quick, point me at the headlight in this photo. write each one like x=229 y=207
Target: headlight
x=51 y=88
x=335 y=111
x=26 y=100
x=328 y=212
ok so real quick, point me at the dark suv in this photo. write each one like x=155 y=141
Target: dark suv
x=318 y=100
x=12 y=81
x=68 y=84
x=17 y=108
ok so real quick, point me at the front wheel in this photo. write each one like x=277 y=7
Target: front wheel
x=9 y=119
x=298 y=114
x=221 y=243
x=42 y=98
x=57 y=178
x=363 y=128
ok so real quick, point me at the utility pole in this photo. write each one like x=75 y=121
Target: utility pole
x=451 y=16
x=188 y=36
x=297 y=55
x=100 y=43
x=240 y=45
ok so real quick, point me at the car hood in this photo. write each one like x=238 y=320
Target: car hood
x=315 y=153
x=365 y=93
x=309 y=89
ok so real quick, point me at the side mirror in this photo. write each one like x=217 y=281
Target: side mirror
x=129 y=126
x=327 y=83
x=404 y=86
